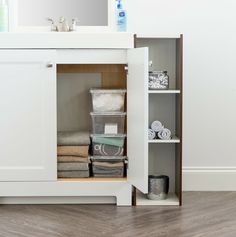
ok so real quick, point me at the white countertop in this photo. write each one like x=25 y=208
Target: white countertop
x=60 y=40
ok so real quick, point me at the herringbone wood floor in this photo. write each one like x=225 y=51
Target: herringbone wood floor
x=204 y=214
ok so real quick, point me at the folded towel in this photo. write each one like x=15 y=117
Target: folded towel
x=108 y=164
x=165 y=134
x=108 y=176
x=114 y=141
x=72 y=151
x=73 y=174
x=74 y=166
x=108 y=172
x=151 y=134
x=62 y=159
x=107 y=150
x=73 y=138
x=157 y=126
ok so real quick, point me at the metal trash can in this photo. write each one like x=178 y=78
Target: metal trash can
x=158 y=187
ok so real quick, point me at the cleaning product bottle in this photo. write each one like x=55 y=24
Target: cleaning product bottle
x=3 y=16
x=121 y=20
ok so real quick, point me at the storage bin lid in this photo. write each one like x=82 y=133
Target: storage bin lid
x=108 y=114
x=108 y=135
x=109 y=91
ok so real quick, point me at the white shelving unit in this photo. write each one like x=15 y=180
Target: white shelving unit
x=165 y=156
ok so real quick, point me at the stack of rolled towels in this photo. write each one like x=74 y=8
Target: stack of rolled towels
x=158 y=131
x=72 y=154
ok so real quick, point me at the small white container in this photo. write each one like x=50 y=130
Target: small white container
x=103 y=122
x=105 y=100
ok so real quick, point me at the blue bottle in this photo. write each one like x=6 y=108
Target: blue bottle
x=121 y=20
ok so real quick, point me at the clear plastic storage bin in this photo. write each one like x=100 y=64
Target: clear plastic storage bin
x=105 y=100
x=112 y=167
x=108 y=145
x=108 y=123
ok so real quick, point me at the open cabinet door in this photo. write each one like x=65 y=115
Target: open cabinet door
x=137 y=118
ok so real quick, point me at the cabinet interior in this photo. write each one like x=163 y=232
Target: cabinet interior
x=74 y=102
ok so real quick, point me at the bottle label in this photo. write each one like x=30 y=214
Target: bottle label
x=122 y=14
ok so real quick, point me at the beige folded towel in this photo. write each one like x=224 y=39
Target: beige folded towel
x=72 y=151
x=80 y=159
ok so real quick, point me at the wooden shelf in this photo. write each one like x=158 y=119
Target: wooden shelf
x=92 y=179
x=172 y=200
x=164 y=92
x=175 y=139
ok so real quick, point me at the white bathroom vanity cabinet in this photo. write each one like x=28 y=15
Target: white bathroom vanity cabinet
x=44 y=87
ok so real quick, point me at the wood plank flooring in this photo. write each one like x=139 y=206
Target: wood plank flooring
x=204 y=214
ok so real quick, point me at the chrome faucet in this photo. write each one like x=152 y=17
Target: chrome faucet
x=63 y=25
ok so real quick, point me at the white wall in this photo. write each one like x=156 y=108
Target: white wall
x=209 y=28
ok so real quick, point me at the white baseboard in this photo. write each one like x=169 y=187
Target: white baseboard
x=58 y=200
x=209 y=178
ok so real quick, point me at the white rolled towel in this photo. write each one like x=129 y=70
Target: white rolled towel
x=157 y=126
x=165 y=134
x=151 y=134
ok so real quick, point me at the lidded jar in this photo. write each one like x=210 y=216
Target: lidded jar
x=158 y=80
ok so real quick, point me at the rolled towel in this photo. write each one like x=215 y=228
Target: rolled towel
x=73 y=138
x=157 y=126
x=151 y=134
x=165 y=134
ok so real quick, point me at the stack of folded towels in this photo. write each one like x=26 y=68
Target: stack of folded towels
x=108 y=169
x=72 y=154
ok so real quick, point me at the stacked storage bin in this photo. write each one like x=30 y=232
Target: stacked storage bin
x=108 y=138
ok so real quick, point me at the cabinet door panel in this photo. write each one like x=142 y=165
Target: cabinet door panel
x=28 y=115
x=137 y=118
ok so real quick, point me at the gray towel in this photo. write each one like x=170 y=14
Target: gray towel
x=73 y=174
x=73 y=151
x=109 y=164
x=62 y=159
x=73 y=138
x=105 y=171
x=74 y=166
x=108 y=176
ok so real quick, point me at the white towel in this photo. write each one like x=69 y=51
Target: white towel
x=165 y=134
x=151 y=134
x=157 y=126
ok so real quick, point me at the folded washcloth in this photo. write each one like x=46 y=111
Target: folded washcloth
x=157 y=126
x=73 y=138
x=113 y=141
x=72 y=151
x=165 y=134
x=108 y=164
x=73 y=174
x=62 y=159
x=74 y=166
x=107 y=150
x=151 y=134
